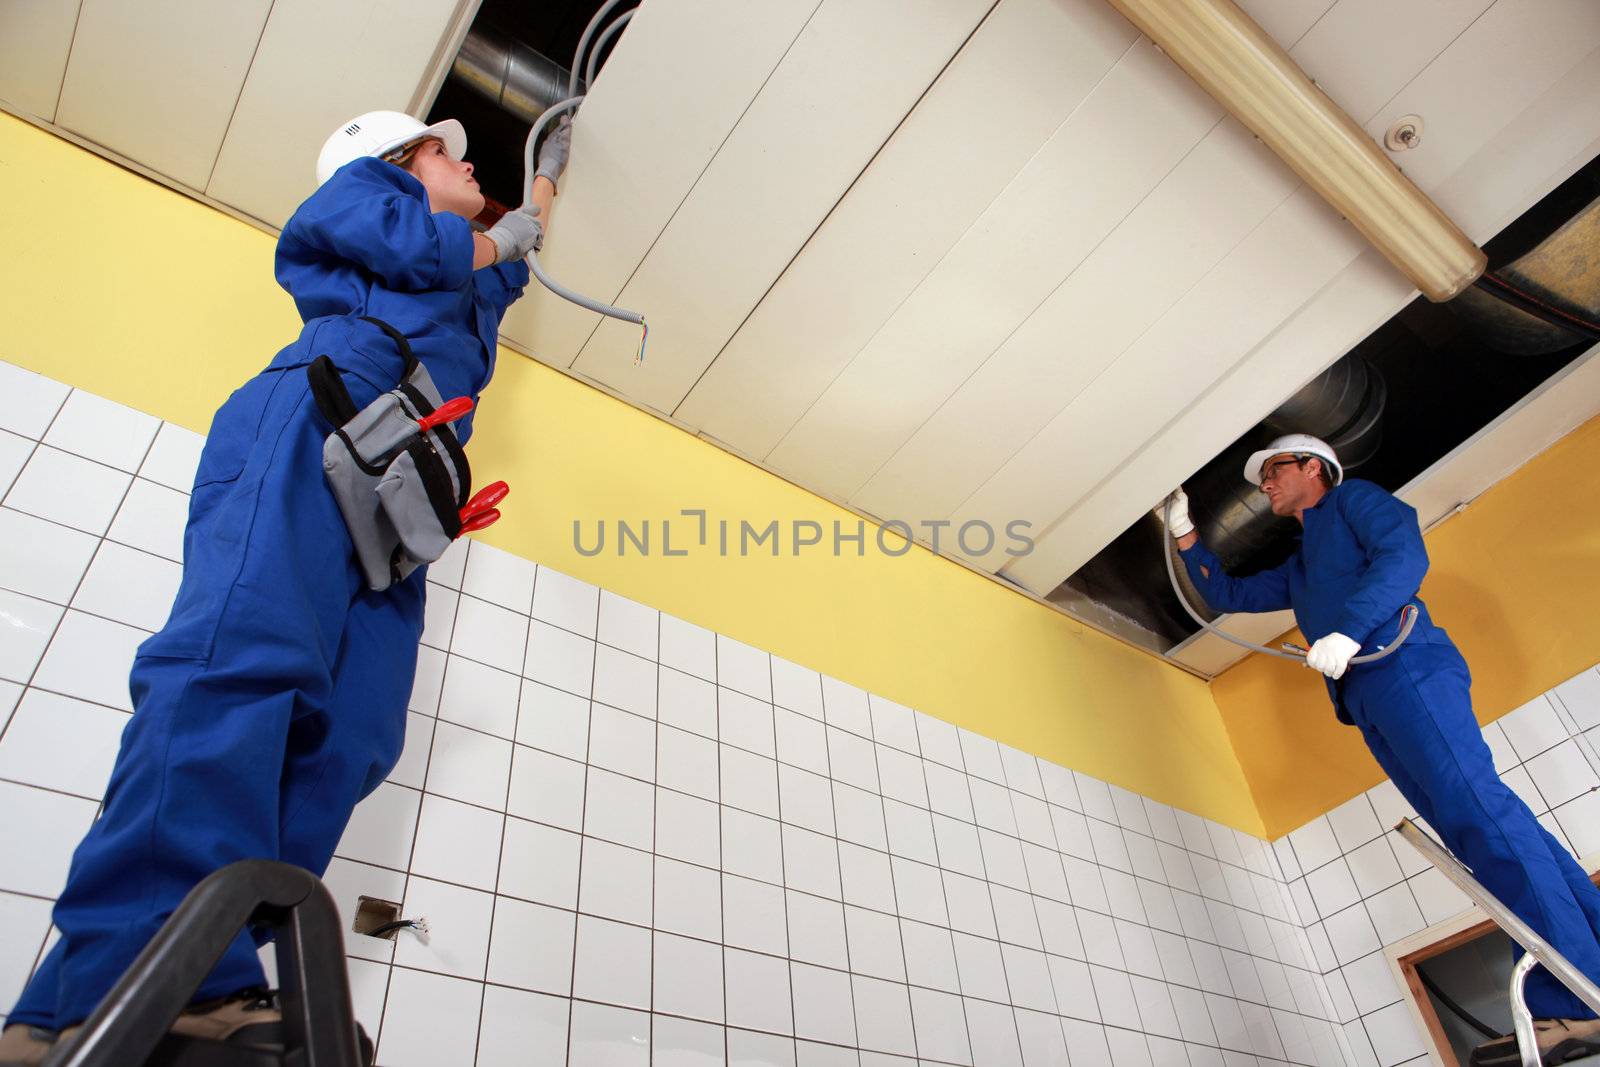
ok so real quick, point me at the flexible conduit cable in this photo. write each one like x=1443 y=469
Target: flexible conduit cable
x=530 y=166
x=600 y=45
x=1504 y=290
x=1408 y=614
x=1456 y=1009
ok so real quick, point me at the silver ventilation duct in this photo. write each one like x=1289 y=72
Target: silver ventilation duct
x=508 y=73
x=1343 y=405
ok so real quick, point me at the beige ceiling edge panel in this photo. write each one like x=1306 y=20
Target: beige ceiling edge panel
x=1298 y=249
x=1358 y=298
x=1501 y=64
x=1286 y=21
x=1531 y=155
x=35 y=37
x=1211 y=655
x=677 y=82
x=1527 y=158
x=1119 y=144
x=1362 y=52
x=157 y=82
x=1201 y=210
x=853 y=74
x=951 y=156
x=319 y=65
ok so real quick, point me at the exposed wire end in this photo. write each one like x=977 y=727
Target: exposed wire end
x=644 y=339
x=419 y=925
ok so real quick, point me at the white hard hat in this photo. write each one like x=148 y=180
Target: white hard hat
x=1298 y=444
x=378 y=133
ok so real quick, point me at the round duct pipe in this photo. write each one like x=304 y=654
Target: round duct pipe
x=1343 y=405
x=509 y=73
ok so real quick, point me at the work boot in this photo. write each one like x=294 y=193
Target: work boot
x=249 y=1017
x=22 y=1045
x=1559 y=1040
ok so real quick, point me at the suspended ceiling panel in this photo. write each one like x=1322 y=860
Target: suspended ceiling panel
x=1232 y=404
x=35 y=36
x=848 y=80
x=157 y=82
x=954 y=153
x=319 y=64
x=680 y=78
x=228 y=99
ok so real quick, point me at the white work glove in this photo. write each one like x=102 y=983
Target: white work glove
x=1331 y=655
x=1179 y=525
x=555 y=150
x=516 y=234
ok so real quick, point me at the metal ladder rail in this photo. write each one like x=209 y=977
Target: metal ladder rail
x=1538 y=950
x=318 y=1021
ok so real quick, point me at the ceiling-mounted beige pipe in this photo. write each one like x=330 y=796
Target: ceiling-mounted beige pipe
x=1234 y=60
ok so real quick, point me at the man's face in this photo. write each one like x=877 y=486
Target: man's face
x=450 y=184
x=1292 y=484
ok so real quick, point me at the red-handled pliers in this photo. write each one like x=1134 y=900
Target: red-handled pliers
x=480 y=511
x=449 y=411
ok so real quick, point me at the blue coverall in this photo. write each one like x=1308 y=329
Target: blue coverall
x=1361 y=560
x=274 y=698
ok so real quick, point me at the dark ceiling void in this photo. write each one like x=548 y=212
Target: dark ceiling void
x=1442 y=381
x=494 y=137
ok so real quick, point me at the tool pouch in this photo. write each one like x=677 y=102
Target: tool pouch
x=399 y=487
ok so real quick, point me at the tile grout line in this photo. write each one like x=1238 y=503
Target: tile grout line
x=505 y=814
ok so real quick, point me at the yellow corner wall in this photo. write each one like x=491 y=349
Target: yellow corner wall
x=1515 y=579
x=124 y=288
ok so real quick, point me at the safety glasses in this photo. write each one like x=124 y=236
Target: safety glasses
x=1269 y=471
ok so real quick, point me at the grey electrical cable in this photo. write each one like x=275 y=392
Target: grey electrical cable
x=1408 y=614
x=530 y=167
x=600 y=43
x=583 y=43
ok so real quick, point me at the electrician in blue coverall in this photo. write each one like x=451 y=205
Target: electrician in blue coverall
x=274 y=698
x=1360 y=561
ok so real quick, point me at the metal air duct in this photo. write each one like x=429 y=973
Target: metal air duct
x=508 y=73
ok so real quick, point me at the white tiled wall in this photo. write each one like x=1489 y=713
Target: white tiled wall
x=1360 y=890
x=642 y=843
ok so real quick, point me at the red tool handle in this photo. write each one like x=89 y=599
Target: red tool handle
x=449 y=411
x=479 y=520
x=487 y=497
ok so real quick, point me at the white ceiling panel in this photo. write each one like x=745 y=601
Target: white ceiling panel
x=1360 y=69
x=157 y=82
x=318 y=65
x=1211 y=655
x=680 y=77
x=1294 y=252
x=1498 y=66
x=1286 y=21
x=1118 y=145
x=1362 y=295
x=853 y=73
x=1067 y=547
x=1533 y=153
x=954 y=153
x=1147 y=264
x=35 y=36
